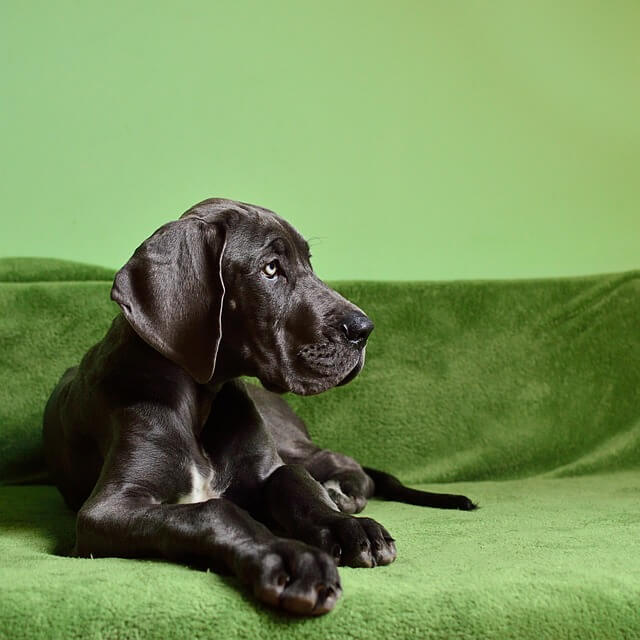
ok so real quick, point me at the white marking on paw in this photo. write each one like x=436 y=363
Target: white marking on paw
x=335 y=485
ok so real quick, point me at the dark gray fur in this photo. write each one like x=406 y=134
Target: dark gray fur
x=157 y=407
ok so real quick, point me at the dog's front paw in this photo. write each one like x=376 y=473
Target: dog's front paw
x=353 y=542
x=293 y=576
x=349 y=490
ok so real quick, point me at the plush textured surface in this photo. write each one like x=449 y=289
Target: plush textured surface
x=524 y=394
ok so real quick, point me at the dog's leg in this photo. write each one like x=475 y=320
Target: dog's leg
x=302 y=506
x=343 y=478
x=123 y=521
x=137 y=509
x=350 y=485
x=285 y=493
x=347 y=484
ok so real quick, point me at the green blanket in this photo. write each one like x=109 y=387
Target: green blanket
x=524 y=395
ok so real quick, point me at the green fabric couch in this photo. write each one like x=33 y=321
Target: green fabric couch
x=523 y=395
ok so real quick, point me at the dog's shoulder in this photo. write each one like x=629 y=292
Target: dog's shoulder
x=125 y=370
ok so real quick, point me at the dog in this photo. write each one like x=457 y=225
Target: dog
x=164 y=451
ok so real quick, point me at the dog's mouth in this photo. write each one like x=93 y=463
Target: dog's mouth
x=355 y=371
x=324 y=377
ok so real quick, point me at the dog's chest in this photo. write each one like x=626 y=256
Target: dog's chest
x=202 y=486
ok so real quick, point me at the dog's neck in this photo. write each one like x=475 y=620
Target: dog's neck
x=122 y=337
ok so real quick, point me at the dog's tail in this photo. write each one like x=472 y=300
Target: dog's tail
x=390 y=488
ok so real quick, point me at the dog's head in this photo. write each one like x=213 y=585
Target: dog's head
x=229 y=288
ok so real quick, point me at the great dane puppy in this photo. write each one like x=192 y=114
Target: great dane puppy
x=166 y=452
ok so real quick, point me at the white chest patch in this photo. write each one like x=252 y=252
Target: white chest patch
x=201 y=487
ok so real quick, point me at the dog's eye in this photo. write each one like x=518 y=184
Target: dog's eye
x=270 y=270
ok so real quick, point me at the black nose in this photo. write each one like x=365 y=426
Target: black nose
x=357 y=328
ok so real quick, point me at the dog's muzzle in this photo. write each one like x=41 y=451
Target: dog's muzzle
x=355 y=371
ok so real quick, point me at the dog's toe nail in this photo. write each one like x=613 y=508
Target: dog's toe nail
x=327 y=598
x=282 y=580
x=364 y=559
x=387 y=554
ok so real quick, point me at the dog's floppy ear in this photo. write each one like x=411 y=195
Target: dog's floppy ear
x=171 y=291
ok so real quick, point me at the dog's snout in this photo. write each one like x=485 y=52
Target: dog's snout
x=357 y=328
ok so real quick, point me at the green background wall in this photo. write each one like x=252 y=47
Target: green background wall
x=410 y=139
